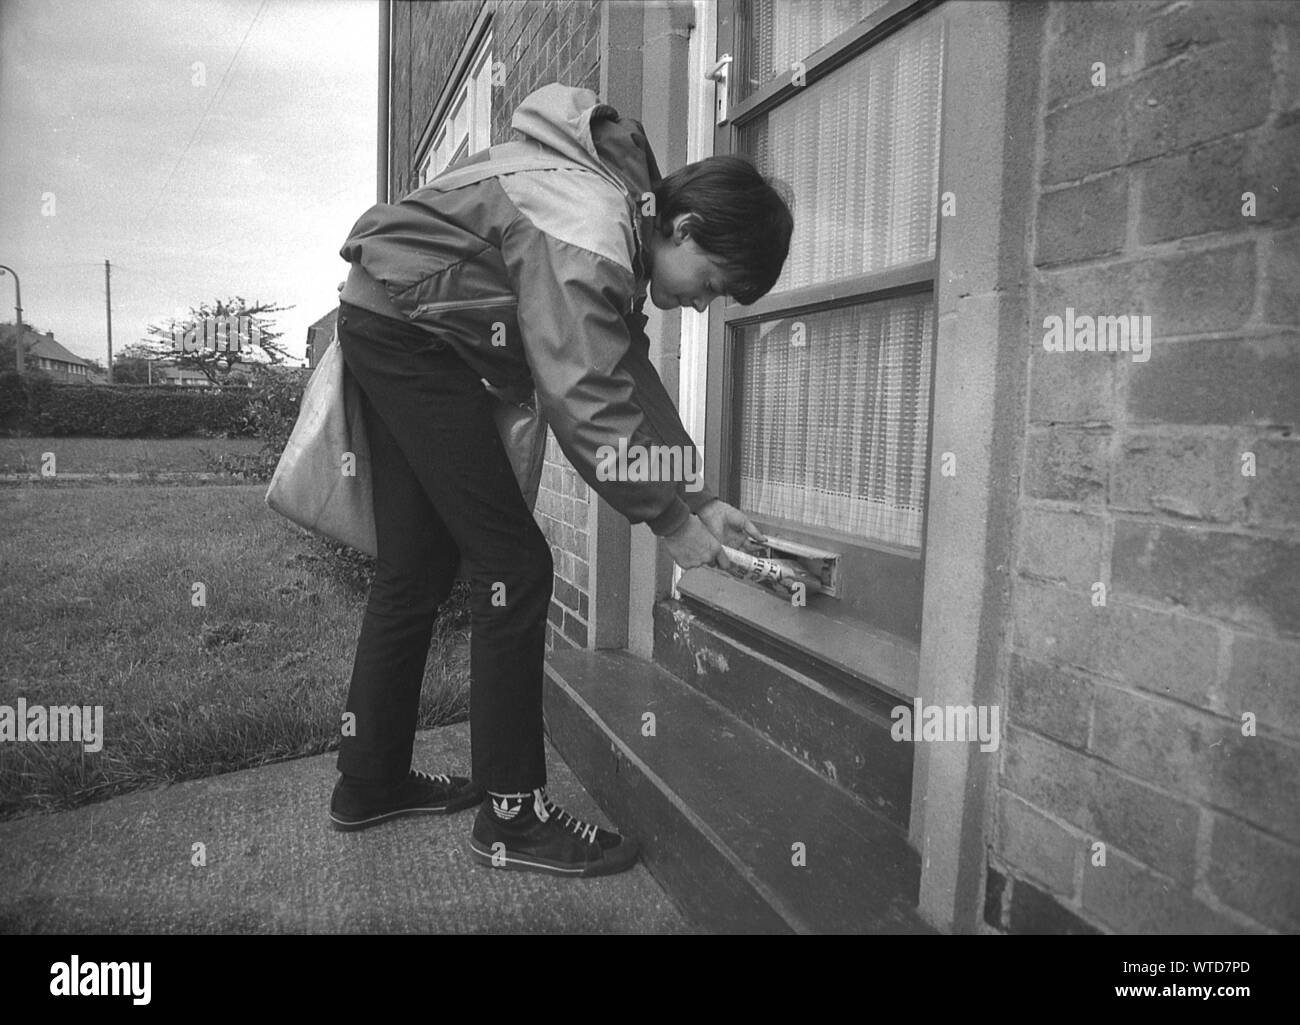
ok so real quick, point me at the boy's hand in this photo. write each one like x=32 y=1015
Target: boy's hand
x=728 y=524
x=693 y=545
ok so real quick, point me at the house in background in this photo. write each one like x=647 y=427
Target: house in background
x=180 y=377
x=319 y=336
x=64 y=366
x=1099 y=548
x=42 y=352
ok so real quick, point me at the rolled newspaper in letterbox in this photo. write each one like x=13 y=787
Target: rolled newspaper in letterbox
x=770 y=571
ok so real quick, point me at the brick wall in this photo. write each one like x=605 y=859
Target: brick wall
x=535 y=43
x=1125 y=718
x=540 y=43
x=427 y=40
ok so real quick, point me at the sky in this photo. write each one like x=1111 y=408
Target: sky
x=207 y=148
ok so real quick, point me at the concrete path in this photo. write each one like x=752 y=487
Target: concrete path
x=132 y=477
x=274 y=865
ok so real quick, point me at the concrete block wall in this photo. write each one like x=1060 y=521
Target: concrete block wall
x=1125 y=719
x=535 y=43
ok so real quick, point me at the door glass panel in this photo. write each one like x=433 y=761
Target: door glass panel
x=773 y=34
x=860 y=149
x=832 y=418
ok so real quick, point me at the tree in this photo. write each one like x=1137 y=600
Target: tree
x=131 y=365
x=8 y=353
x=214 y=337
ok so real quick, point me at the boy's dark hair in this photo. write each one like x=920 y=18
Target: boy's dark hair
x=738 y=215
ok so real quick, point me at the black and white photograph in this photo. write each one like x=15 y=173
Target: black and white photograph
x=668 y=468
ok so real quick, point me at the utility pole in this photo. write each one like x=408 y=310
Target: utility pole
x=108 y=310
x=18 y=308
x=385 y=89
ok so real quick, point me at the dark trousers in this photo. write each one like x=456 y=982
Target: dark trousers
x=443 y=489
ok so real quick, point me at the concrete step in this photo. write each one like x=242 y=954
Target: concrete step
x=724 y=816
x=838 y=727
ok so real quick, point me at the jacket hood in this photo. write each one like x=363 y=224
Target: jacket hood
x=500 y=241
x=575 y=123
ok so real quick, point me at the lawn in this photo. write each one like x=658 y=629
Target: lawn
x=96 y=588
x=120 y=455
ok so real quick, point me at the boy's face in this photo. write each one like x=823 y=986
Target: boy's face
x=682 y=274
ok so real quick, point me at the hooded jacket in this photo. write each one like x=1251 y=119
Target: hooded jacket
x=529 y=259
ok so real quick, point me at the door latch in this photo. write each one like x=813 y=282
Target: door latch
x=719 y=74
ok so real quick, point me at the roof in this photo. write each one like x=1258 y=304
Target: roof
x=48 y=348
x=37 y=343
x=326 y=323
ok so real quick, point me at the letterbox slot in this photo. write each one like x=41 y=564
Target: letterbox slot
x=824 y=566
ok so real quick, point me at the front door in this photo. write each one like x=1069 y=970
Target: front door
x=818 y=401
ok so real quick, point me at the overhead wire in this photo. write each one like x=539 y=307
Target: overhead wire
x=216 y=96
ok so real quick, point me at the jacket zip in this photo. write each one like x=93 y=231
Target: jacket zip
x=464 y=304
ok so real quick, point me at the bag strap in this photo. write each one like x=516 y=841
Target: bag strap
x=521 y=159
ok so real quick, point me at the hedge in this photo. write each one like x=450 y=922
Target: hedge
x=32 y=404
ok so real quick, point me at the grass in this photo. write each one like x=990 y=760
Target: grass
x=95 y=609
x=120 y=455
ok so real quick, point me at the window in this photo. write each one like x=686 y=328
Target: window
x=466 y=125
x=819 y=394
x=832 y=431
